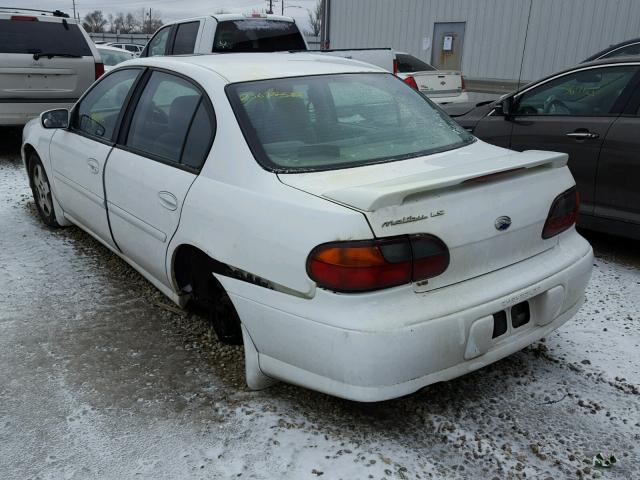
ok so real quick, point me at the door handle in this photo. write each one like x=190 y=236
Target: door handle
x=94 y=166
x=168 y=200
x=582 y=135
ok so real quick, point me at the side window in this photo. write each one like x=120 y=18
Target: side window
x=199 y=138
x=163 y=124
x=185 y=41
x=98 y=112
x=590 y=93
x=158 y=43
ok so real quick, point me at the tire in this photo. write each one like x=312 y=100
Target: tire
x=212 y=302
x=41 y=189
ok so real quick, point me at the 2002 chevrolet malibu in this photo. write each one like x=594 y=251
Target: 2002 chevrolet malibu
x=355 y=239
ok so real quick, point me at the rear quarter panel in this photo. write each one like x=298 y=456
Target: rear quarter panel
x=242 y=215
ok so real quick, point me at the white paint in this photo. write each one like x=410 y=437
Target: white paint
x=369 y=346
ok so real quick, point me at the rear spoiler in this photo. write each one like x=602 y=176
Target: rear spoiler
x=393 y=192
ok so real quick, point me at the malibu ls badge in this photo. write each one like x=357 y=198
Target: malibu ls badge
x=411 y=218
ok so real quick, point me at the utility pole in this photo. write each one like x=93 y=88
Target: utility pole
x=74 y=8
x=270 y=7
x=149 y=21
x=282 y=5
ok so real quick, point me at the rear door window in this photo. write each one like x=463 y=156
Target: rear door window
x=42 y=37
x=186 y=35
x=257 y=35
x=164 y=119
x=409 y=64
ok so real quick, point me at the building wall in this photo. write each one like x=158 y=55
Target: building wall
x=561 y=32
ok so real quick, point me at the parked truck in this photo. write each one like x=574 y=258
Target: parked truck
x=258 y=32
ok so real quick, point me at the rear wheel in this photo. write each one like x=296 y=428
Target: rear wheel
x=41 y=189
x=211 y=300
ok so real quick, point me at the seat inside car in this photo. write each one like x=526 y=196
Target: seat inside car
x=169 y=143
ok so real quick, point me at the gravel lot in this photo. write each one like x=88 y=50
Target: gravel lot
x=99 y=380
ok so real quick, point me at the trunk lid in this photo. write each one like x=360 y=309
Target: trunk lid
x=450 y=196
x=439 y=83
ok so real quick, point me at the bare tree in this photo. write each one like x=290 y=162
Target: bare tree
x=315 y=18
x=149 y=25
x=131 y=23
x=117 y=24
x=94 y=22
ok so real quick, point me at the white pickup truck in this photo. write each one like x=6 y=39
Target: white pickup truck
x=257 y=32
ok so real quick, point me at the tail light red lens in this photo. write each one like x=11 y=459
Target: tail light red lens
x=99 y=70
x=563 y=213
x=24 y=18
x=367 y=265
x=462 y=85
x=411 y=82
x=395 y=66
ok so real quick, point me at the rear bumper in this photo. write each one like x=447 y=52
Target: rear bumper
x=19 y=113
x=460 y=98
x=374 y=347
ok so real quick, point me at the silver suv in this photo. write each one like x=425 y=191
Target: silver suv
x=47 y=61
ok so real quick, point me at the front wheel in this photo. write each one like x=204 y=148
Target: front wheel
x=41 y=189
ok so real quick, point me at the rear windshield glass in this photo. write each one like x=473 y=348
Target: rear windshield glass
x=409 y=63
x=18 y=36
x=335 y=121
x=257 y=36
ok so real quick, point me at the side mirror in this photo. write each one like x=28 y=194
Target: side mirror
x=55 y=118
x=506 y=105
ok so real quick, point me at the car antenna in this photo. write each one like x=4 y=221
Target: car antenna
x=524 y=46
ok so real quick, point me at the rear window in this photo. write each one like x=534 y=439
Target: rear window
x=327 y=122
x=111 y=57
x=257 y=36
x=409 y=64
x=42 y=37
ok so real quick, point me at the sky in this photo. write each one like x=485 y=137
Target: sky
x=175 y=9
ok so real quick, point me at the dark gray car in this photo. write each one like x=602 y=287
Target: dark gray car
x=591 y=112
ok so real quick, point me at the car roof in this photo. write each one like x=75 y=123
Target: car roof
x=223 y=17
x=244 y=67
x=611 y=48
x=6 y=14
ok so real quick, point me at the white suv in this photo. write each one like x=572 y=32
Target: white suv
x=46 y=61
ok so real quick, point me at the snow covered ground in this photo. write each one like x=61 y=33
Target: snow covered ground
x=99 y=380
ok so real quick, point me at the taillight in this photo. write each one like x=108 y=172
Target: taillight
x=395 y=66
x=563 y=213
x=463 y=87
x=99 y=70
x=24 y=18
x=365 y=265
x=411 y=82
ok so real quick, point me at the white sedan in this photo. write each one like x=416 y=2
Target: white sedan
x=356 y=239
x=112 y=56
x=441 y=86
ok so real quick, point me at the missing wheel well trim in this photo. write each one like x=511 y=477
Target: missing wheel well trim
x=187 y=257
